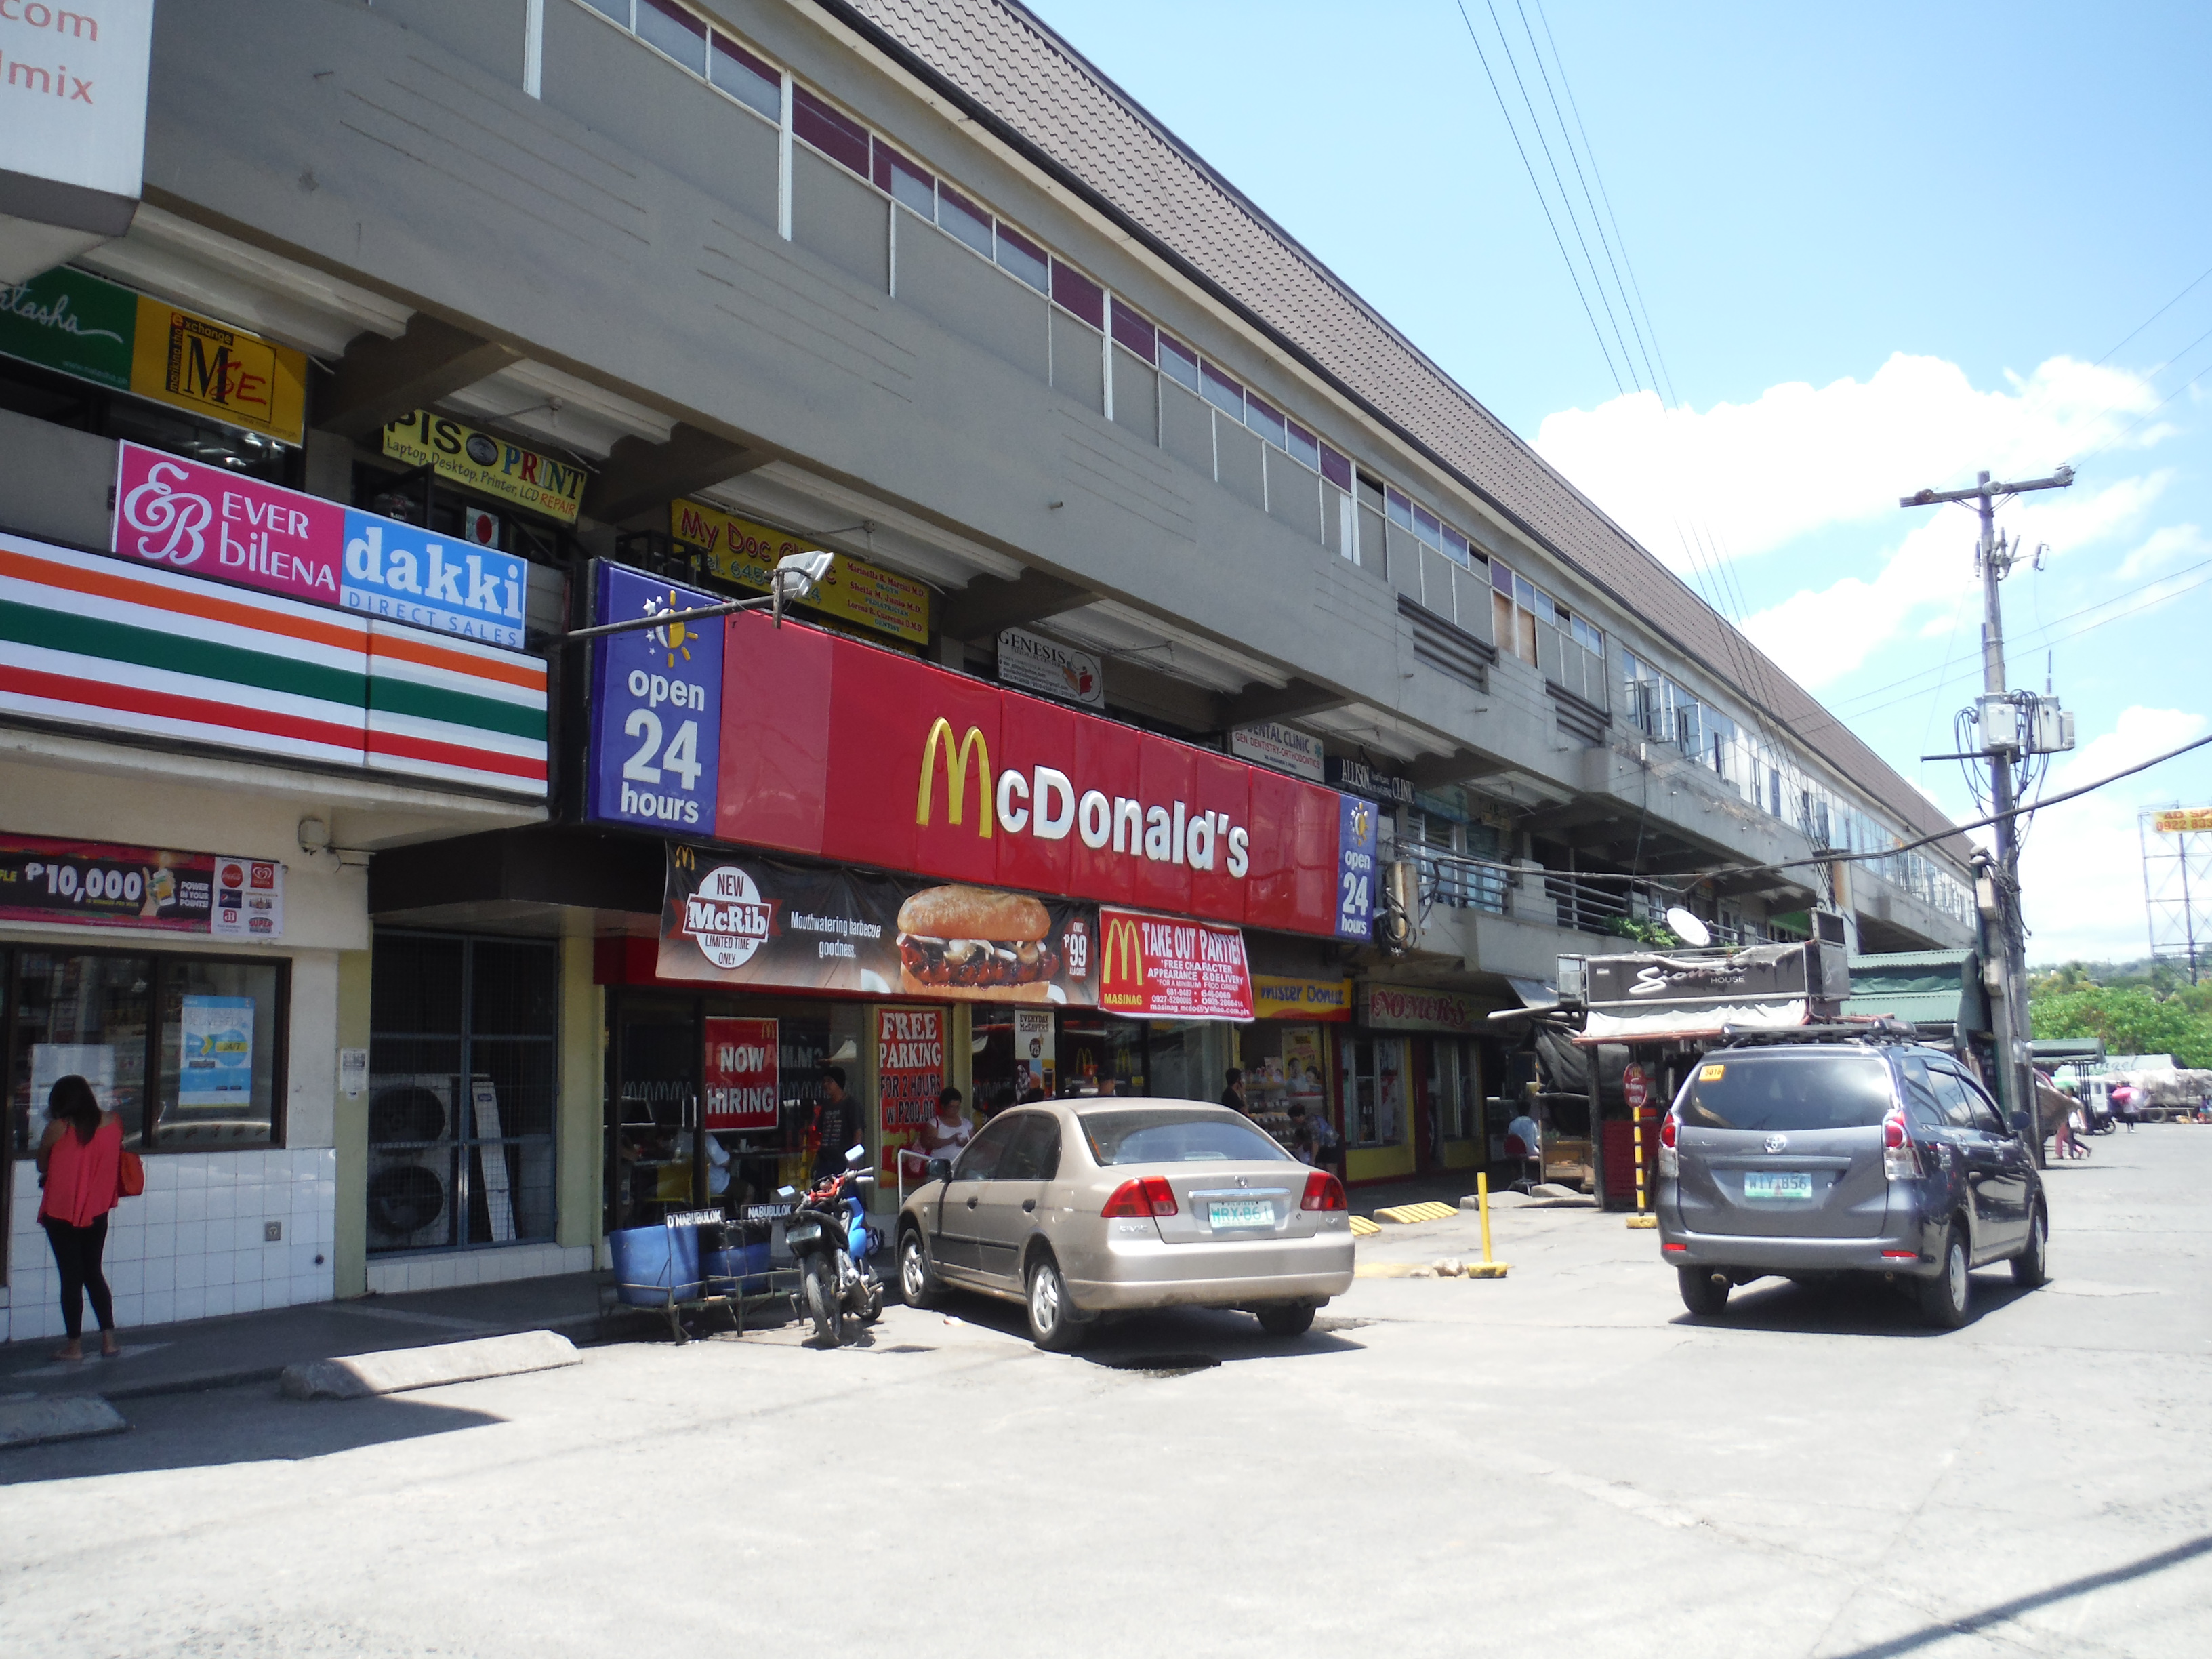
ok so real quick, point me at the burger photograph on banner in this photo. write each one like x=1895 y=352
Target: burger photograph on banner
x=732 y=920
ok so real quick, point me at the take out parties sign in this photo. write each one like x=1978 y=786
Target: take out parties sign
x=210 y=522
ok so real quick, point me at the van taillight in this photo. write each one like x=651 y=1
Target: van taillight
x=1137 y=1200
x=1323 y=1192
x=1667 y=1130
x=1901 y=1158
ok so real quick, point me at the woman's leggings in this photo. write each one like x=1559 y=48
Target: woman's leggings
x=77 y=1253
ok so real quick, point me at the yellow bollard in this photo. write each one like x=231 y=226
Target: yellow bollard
x=1643 y=1220
x=1486 y=1268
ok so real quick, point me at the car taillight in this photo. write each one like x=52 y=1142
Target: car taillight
x=1137 y=1200
x=1901 y=1158
x=1670 y=1160
x=1667 y=1130
x=1323 y=1192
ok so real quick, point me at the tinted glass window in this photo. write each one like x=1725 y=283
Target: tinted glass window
x=1970 y=1108
x=1175 y=1137
x=1035 y=1154
x=981 y=1159
x=1927 y=1111
x=1751 y=1089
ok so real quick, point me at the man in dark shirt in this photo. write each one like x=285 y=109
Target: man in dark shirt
x=836 y=1124
x=1232 y=1096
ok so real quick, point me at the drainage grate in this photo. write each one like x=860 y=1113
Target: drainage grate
x=1160 y=1364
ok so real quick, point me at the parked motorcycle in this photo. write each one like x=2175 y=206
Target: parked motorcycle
x=828 y=1233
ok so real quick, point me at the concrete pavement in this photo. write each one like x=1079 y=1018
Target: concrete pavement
x=1559 y=1461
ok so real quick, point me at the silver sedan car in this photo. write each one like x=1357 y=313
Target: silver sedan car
x=1080 y=1208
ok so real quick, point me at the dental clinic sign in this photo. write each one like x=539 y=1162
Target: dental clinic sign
x=209 y=522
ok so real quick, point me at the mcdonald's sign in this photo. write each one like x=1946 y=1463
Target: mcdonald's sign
x=1167 y=968
x=972 y=746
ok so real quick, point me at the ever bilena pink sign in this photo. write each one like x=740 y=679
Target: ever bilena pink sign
x=216 y=523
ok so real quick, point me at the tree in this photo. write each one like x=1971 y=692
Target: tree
x=2132 y=1019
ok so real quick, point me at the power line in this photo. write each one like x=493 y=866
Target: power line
x=2149 y=320
x=1541 y=201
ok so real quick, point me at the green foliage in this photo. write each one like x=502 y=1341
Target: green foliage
x=2133 y=1019
x=1657 y=935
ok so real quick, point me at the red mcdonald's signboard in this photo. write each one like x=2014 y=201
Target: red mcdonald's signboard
x=1164 y=967
x=844 y=752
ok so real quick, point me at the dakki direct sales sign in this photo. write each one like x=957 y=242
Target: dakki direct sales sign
x=83 y=883
x=217 y=523
x=78 y=325
x=830 y=749
x=730 y=919
x=1163 y=968
x=478 y=460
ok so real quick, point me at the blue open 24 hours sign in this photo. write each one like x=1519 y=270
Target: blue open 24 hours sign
x=1356 y=840
x=656 y=707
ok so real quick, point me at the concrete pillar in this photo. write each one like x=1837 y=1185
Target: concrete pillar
x=580 y=1128
x=349 y=1234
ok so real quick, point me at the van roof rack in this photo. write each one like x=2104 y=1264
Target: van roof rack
x=1881 y=1029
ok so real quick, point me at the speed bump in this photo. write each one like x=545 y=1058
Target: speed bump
x=1409 y=1212
x=1361 y=1227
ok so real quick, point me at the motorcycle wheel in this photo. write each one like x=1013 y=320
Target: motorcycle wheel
x=873 y=1308
x=822 y=1306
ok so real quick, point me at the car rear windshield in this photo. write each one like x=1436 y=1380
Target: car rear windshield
x=1169 y=1136
x=1741 y=1090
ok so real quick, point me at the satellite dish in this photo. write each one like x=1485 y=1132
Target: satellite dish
x=1688 y=929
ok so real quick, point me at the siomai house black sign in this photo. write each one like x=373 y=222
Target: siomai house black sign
x=1654 y=997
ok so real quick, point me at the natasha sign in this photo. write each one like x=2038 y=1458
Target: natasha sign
x=213 y=523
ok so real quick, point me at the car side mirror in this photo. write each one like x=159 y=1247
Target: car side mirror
x=2022 y=1126
x=939 y=1168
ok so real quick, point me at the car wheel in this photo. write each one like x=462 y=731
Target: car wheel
x=2031 y=1267
x=1053 y=1325
x=1945 y=1298
x=1704 y=1292
x=1286 y=1318
x=918 y=1285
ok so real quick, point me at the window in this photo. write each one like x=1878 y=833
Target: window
x=1513 y=612
x=981 y=1159
x=664 y=24
x=965 y=218
x=189 y=1051
x=1133 y=333
x=1020 y=257
x=837 y=135
x=1749 y=1091
x=1374 y=1078
x=1178 y=363
x=752 y=82
x=905 y=183
x=464 y=1061
x=1224 y=393
x=1034 y=1155
x=1169 y=1136
x=1266 y=421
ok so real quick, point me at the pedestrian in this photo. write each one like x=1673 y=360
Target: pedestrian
x=80 y=1161
x=2075 y=1129
x=2129 y=1103
x=836 y=1124
x=1233 y=1092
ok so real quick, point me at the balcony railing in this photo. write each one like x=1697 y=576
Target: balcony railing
x=1554 y=898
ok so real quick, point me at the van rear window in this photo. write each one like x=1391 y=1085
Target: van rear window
x=1751 y=1089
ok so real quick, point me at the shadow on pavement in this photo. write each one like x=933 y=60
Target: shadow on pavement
x=1177 y=1333
x=248 y=1424
x=1847 y=1307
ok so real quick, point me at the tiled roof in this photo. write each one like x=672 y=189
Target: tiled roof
x=1008 y=64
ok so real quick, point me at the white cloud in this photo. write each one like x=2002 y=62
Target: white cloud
x=1821 y=634
x=2163 y=547
x=2081 y=868
x=1797 y=460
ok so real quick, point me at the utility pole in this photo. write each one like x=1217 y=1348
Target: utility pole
x=2008 y=1003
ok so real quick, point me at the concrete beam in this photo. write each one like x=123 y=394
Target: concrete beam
x=378 y=380
x=1278 y=702
x=639 y=475
x=1435 y=771
x=986 y=605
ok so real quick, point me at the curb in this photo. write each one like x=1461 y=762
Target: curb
x=41 y=1420
x=397 y=1371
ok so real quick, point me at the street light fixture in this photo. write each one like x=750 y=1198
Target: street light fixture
x=796 y=577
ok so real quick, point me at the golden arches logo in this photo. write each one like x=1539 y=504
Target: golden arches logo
x=956 y=766
x=1122 y=956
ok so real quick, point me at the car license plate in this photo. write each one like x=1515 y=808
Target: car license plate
x=1777 y=1184
x=1241 y=1212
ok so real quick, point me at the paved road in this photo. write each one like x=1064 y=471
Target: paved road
x=1560 y=1462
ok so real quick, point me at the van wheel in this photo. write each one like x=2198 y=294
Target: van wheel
x=1945 y=1299
x=1053 y=1325
x=2030 y=1268
x=1704 y=1292
x=918 y=1285
x=1286 y=1318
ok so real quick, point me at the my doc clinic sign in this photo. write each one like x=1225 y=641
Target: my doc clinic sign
x=656 y=707
x=213 y=523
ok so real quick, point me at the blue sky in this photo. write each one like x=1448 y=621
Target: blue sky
x=1878 y=247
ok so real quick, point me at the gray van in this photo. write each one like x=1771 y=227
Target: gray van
x=1808 y=1159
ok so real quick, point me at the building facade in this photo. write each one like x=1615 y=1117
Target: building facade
x=612 y=305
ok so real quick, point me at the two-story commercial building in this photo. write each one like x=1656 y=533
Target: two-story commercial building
x=1177 y=595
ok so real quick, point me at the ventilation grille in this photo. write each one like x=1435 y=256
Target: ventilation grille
x=1446 y=647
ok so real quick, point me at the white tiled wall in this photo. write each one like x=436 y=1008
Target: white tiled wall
x=193 y=1245
x=442 y=1270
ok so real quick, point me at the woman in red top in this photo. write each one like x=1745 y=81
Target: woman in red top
x=80 y=1159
